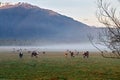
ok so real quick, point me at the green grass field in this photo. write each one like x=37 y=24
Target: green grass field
x=55 y=66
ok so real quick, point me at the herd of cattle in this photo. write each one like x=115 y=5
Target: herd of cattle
x=35 y=53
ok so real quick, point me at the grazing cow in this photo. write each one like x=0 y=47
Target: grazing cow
x=43 y=52
x=72 y=54
x=86 y=54
x=34 y=53
x=20 y=54
x=66 y=54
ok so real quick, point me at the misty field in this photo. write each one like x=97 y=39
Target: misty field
x=55 y=66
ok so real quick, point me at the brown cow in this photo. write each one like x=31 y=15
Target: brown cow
x=34 y=53
x=86 y=54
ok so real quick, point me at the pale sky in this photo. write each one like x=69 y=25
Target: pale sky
x=80 y=10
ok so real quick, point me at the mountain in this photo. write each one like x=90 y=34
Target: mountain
x=24 y=21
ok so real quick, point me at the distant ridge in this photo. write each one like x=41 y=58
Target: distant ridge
x=10 y=5
x=25 y=21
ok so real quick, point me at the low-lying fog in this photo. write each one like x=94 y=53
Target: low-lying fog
x=54 y=47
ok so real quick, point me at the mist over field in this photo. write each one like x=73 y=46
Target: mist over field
x=55 y=47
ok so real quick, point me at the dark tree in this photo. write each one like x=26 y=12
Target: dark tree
x=110 y=36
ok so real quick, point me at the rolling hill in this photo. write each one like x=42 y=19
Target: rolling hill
x=24 y=21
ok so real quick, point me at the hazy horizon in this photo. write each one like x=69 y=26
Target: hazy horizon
x=55 y=47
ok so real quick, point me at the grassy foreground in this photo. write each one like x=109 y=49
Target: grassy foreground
x=55 y=66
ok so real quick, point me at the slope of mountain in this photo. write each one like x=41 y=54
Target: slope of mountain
x=25 y=21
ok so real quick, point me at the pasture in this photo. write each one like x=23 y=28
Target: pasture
x=55 y=66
